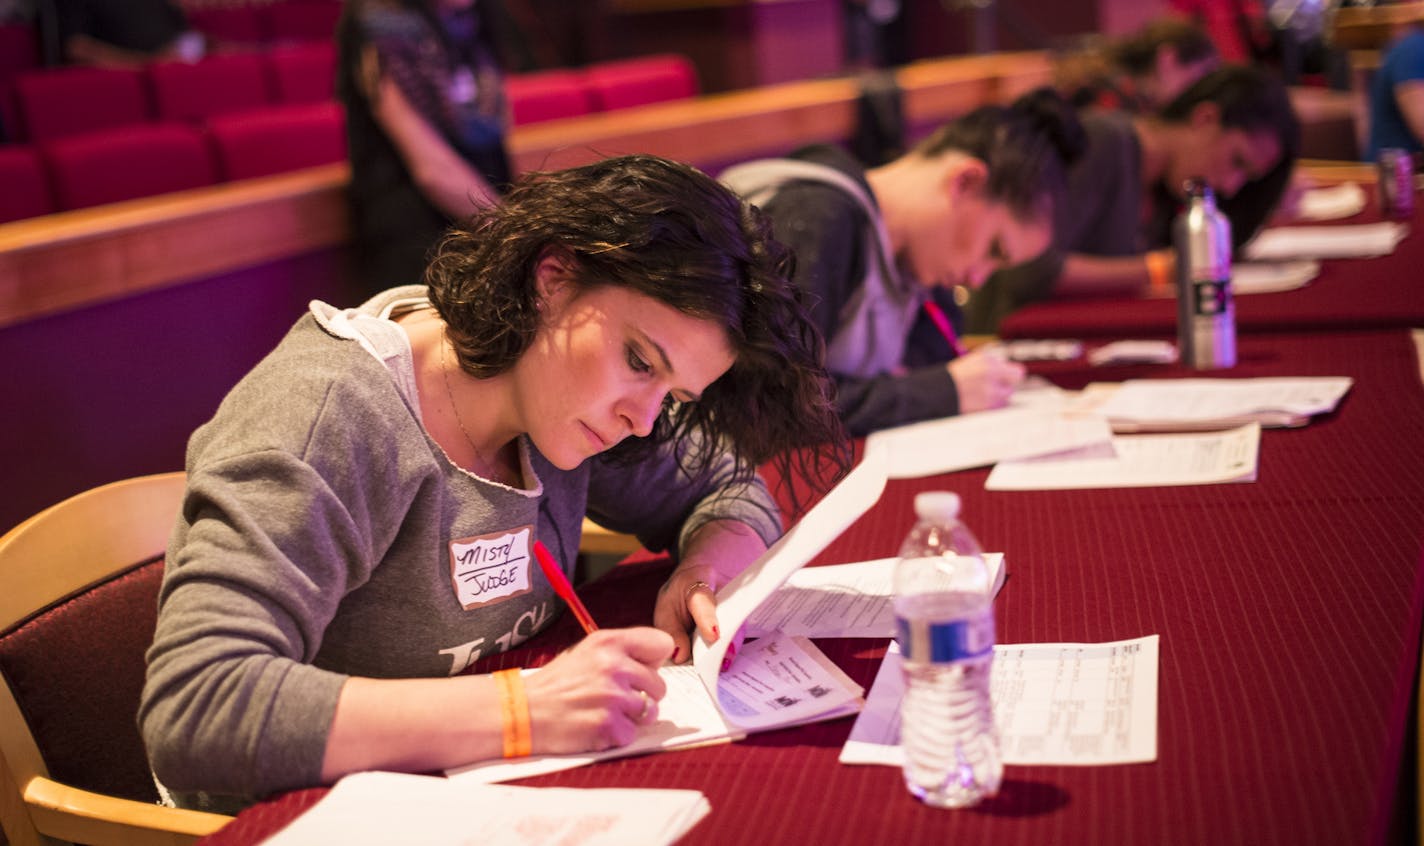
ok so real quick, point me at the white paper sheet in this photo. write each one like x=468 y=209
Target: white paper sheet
x=1054 y=703
x=1254 y=277
x=1362 y=240
x=976 y=440
x=842 y=600
x=1197 y=458
x=379 y=809
x=1331 y=203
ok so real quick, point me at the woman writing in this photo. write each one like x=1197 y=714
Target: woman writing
x=1234 y=127
x=871 y=246
x=619 y=341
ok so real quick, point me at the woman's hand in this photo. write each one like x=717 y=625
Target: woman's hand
x=595 y=695
x=985 y=380
x=715 y=554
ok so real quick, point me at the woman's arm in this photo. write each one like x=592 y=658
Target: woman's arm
x=1087 y=275
x=589 y=698
x=440 y=173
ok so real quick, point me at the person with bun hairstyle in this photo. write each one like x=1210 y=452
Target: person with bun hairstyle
x=872 y=245
x=1234 y=127
x=619 y=341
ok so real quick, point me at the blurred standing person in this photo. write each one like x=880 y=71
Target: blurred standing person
x=425 y=122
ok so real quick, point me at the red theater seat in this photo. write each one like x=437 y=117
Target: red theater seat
x=635 y=82
x=546 y=95
x=212 y=86
x=127 y=162
x=26 y=191
x=278 y=139
x=303 y=73
x=303 y=20
x=240 y=25
x=65 y=101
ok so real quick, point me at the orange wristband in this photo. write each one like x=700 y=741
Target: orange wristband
x=1159 y=271
x=513 y=713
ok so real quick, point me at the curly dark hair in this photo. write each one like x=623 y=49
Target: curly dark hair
x=670 y=232
x=1026 y=145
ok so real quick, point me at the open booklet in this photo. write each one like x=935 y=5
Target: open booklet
x=1182 y=405
x=774 y=682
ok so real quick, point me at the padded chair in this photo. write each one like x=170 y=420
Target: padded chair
x=78 y=606
x=546 y=95
x=303 y=72
x=127 y=163
x=635 y=82
x=303 y=20
x=216 y=85
x=278 y=139
x=26 y=191
x=55 y=103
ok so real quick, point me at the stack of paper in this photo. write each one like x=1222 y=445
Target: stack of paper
x=383 y=808
x=1139 y=461
x=1364 y=240
x=1179 y=405
x=1337 y=201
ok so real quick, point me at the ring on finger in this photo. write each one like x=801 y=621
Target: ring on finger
x=694 y=588
x=647 y=703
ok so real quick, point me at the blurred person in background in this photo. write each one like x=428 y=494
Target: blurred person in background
x=426 y=122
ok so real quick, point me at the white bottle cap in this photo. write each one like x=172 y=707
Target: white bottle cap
x=941 y=506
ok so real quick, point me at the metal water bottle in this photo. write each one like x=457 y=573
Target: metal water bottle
x=1206 y=315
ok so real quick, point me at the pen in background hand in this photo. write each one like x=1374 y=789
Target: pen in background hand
x=941 y=322
x=556 y=577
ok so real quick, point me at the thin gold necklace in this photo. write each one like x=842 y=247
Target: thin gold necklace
x=489 y=466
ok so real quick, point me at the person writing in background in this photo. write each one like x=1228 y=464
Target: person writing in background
x=975 y=196
x=425 y=124
x=1397 y=93
x=619 y=341
x=1234 y=127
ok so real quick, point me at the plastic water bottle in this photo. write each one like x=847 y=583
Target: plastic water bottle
x=945 y=618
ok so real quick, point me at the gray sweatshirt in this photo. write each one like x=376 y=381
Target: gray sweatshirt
x=324 y=534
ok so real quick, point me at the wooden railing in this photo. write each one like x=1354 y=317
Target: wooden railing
x=62 y=261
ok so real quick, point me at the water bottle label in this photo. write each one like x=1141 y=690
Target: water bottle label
x=1211 y=297
x=943 y=641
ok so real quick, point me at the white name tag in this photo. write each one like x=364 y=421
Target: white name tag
x=490 y=568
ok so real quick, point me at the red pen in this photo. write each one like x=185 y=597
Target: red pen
x=941 y=321
x=562 y=587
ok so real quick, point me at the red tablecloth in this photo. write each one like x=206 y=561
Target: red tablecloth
x=1382 y=292
x=1289 y=611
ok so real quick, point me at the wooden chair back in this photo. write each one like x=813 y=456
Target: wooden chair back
x=78 y=604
